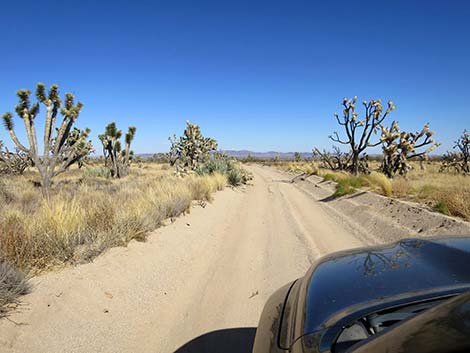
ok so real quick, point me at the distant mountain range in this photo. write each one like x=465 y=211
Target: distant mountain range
x=265 y=155
x=241 y=154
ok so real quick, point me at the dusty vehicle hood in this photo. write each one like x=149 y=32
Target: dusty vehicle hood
x=366 y=279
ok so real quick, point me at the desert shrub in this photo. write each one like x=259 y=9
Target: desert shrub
x=223 y=165
x=82 y=218
x=457 y=202
x=336 y=176
x=235 y=177
x=343 y=188
x=436 y=190
x=215 y=165
x=97 y=172
x=349 y=185
x=202 y=189
x=329 y=177
x=6 y=195
x=219 y=181
x=302 y=167
x=13 y=283
x=381 y=182
x=442 y=207
x=401 y=187
x=426 y=191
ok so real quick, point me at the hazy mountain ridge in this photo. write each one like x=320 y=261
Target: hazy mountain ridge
x=265 y=155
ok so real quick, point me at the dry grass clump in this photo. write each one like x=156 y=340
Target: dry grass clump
x=443 y=192
x=380 y=183
x=13 y=283
x=301 y=167
x=85 y=215
x=204 y=186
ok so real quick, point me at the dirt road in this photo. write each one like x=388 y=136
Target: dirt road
x=207 y=274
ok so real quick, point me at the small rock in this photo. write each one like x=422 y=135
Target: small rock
x=105 y=311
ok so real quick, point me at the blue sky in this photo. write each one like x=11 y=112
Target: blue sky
x=258 y=75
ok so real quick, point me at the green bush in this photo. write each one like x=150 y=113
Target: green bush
x=442 y=207
x=98 y=172
x=220 y=164
x=329 y=177
x=214 y=165
x=235 y=177
x=350 y=185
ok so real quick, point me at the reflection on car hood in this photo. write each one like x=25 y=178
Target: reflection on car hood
x=359 y=278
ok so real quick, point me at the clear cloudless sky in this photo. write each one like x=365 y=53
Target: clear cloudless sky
x=258 y=75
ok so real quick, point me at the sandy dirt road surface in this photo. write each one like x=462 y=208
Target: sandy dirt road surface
x=197 y=285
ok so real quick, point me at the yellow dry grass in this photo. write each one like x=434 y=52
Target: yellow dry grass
x=443 y=192
x=85 y=215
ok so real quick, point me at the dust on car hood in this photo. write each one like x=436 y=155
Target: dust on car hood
x=352 y=280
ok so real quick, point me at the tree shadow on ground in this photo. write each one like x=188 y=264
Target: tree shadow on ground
x=333 y=197
x=234 y=340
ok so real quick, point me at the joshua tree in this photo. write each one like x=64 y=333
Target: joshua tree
x=359 y=131
x=13 y=163
x=399 y=147
x=459 y=160
x=191 y=149
x=59 y=152
x=297 y=156
x=336 y=160
x=117 y=160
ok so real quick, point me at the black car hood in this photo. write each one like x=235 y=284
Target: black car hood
x=346 y=282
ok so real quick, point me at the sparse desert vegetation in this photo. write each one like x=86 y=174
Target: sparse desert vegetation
x=61 y=206
x=447 y=193
x=180 y=162
x=85 y=215
x=87 y=212
x=13 y=283
x=404 y=170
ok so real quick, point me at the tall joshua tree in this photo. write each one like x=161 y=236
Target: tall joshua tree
x=116 y=159
x=359 y=130
x=60 y=151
